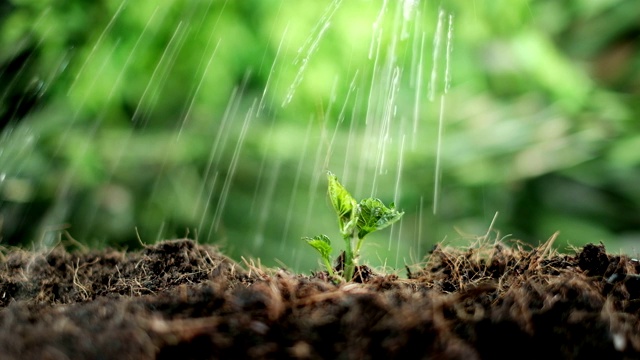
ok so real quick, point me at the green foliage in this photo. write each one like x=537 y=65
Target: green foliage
x=374 y=215
x=323 y=245
x=540 y=121
x=344 y=204
x=356 y=220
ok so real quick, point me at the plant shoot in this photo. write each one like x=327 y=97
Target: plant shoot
x=355 y=220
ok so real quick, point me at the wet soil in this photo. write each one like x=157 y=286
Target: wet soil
x=178 y=299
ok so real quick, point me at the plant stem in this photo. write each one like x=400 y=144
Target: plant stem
x=359 y=244
x=349 y=256
x=327 y=264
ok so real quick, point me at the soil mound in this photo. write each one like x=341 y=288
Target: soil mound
x=178 y=299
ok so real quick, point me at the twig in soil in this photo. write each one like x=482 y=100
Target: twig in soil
x=251 y=266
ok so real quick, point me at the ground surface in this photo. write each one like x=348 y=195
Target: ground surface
x=181 y=300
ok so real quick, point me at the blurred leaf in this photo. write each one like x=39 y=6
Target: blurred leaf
x=626 y=152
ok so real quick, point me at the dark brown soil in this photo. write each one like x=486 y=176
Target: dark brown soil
x=181 y=300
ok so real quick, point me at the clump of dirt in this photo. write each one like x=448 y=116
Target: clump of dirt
x=178 y=299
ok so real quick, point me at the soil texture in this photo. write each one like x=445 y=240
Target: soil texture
x=181 y=300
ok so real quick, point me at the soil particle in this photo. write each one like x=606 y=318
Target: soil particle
x=178 y=299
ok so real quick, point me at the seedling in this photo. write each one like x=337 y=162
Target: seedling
x=356 y=220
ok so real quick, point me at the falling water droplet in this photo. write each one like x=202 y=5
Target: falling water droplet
x=418 y=90
x=436 y=54
x=438 y=167
x=408 y=14
x=310 y=46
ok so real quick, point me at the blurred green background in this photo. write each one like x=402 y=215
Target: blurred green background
x=217 y=120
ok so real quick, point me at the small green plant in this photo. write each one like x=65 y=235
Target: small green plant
x=356 y=220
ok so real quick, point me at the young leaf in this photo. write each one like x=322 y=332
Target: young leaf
x=343 y=203
x=374 y=215
x=323 y=245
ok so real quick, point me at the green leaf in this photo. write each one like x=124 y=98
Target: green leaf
x=374 y=215
x=343 y=203
x=322 y=244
